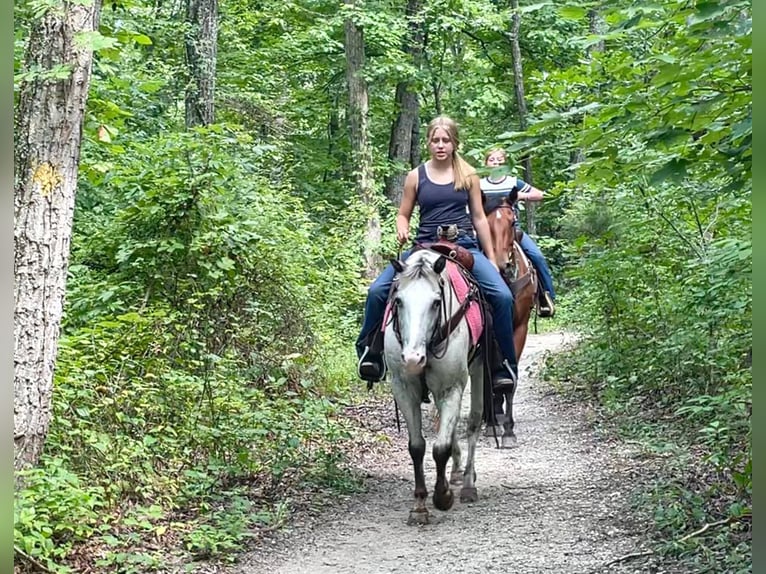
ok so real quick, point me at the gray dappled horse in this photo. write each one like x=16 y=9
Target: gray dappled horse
x=425 y=301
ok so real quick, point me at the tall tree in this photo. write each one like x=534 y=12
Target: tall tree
x=521 y=104
x=48 y=134
x=408 y=106
x=595 y=26
x=201 y=48
x=358 y=108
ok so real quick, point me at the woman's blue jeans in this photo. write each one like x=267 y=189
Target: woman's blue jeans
x=537 y=258
x=495 y=291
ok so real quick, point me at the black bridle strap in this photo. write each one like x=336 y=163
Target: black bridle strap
x=445 y=329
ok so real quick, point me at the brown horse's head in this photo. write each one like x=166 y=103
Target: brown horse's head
x=501 y=225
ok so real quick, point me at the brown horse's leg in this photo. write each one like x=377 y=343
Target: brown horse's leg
x=519 y=340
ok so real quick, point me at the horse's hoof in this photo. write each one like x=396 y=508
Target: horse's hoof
x=509 y=441
x=418 y=517
x=456 y=477
x=445 y=500
x=469 y=494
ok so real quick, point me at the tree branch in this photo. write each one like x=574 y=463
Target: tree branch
x=32 y=561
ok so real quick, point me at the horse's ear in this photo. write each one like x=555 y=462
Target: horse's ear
x=439 y=264
x=398 y=265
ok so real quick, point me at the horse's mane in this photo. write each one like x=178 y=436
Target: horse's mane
x=422 y=267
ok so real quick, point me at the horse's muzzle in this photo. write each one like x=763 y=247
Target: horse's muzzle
x=414 y=361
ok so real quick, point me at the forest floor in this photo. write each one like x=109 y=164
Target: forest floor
x=561 y=501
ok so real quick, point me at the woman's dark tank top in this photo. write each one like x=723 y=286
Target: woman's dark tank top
x=441 y=204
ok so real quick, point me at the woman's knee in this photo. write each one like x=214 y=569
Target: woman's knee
x=504 y=298
x=498 y=294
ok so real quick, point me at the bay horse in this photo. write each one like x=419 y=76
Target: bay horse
x=428 y=341
x=521 y=277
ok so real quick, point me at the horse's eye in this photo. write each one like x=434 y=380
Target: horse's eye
x=398 y=302
x=436 y=304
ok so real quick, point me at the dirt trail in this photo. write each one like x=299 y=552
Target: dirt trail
x=558 y=502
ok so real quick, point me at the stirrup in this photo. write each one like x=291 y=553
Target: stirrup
x=545 y=306
x=505 y=380
x=371 y=368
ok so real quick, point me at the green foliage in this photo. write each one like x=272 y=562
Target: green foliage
x=214 y=289
x=54 y=511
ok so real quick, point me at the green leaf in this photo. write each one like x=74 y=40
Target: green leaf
x=142 y=39
x=674 y=170
x=534 y=7
x=94 y=40
x=572 y=12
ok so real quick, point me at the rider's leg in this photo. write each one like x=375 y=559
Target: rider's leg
x=547 y=294
x=371 y=365
x=538 y=260
x=501 y=299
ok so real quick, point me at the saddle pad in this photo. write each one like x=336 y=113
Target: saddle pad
x=473 y=313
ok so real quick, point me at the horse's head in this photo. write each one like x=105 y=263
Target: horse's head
x=418 y=302
x=501 y=225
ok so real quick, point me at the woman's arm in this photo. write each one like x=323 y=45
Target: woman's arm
x=480 y=220
x=409 y=195
x=532 y=194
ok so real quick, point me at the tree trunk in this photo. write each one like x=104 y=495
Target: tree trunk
x=201 y=56
x=415 y=145
x=594 y=27
x=408 y=108
x=360 y=145
x=521 y=104
x=48 y=133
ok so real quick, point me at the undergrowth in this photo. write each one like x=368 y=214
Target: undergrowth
x=697 y=494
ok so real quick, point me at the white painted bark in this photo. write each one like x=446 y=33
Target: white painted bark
x=48 y=132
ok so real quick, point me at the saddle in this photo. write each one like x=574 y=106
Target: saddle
x=446 y=246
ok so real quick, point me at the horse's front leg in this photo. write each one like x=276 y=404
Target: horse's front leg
x=456 y=474
x=407 y=397
x=448 y=403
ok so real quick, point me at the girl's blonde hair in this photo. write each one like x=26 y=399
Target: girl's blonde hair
x=495 y=150
x=462 y=170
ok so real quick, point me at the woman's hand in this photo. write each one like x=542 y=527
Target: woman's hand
x=403 y=235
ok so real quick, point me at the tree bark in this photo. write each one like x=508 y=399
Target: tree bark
x=408 y=107
x=201 y=57
x=48 y=133
x=359 y=134
x=521 y=104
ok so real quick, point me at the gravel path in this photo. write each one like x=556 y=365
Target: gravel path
x=558 y=502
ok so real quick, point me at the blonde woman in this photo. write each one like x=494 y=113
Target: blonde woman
x=446 y=190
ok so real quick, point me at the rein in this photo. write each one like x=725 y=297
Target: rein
x=442 y=331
